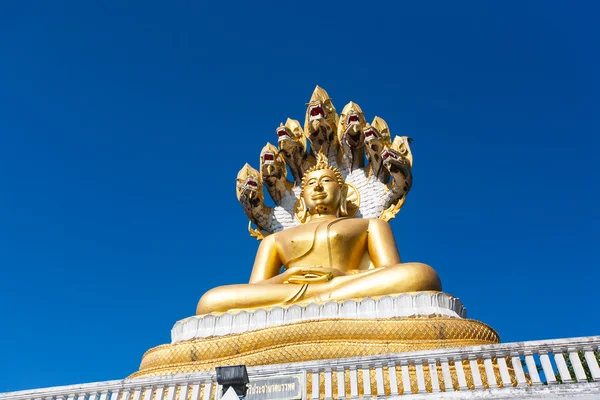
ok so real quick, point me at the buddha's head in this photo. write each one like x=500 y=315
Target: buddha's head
x=324 y=192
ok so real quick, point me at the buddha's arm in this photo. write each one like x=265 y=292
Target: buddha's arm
x=267 y=263
x=381 y=244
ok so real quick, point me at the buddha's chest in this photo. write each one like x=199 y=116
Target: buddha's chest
x=322 y=243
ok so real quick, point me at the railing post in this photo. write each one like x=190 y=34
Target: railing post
x=160 y=391
x=489 y=371
x=379 y=380
x=316 y=384
x=405 y=377
x=114 y=395
x=446 y=374
x=393 y=379
x=341 y=383
x=563 y=371
x=577 y=367
x=592 y=363
x=460 y=374
x=420 y=376
x=503 y=370
x=104 y=395
x=366 y=381
x=148 y=393
x=171 y=392
x=532 y=368
x=518 y=368
x=137 y=393
x=547 y=367
x=196 y=391
x=208 y=390
x=328 y=384
x=183 y=391
x=477 y=382
x=435 y=382
x=353 y=382
x=126 y=394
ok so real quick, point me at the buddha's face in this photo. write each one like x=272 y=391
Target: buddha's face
x=322 y=193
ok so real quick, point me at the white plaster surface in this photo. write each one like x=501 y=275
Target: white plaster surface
x=423 y=304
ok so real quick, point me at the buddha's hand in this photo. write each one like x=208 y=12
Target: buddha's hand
x=313 y=274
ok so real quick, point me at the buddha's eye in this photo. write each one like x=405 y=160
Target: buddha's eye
x=312 y=182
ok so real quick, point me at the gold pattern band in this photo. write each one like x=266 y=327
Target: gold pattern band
x=315 y=340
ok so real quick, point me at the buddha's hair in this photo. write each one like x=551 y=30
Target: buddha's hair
x=323 y=163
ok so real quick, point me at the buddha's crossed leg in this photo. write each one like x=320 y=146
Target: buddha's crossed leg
x=400 y=278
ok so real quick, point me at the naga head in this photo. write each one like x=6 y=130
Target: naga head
x=377 y=135
x=272 y=165
x=351 y=126
x=402 y=145
x=321 y=120
x=248 y=188
x=397 y=158
x=291 y=141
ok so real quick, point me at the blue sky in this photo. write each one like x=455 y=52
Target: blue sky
x=123 y=126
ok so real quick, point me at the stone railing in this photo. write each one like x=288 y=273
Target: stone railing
x=537 y=369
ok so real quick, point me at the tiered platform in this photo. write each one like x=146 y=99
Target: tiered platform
x=366 y=327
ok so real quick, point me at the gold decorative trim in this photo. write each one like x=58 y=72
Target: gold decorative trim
x=315 y=340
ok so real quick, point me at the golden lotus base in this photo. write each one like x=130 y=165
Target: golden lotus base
x=315 y=340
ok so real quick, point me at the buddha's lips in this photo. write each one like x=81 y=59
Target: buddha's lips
x=316 y=112
x=283 y=135
x=268 y=158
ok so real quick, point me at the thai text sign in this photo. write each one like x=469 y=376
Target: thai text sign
x=287 y=387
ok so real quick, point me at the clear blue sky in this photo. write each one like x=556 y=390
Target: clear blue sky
x=123 y=126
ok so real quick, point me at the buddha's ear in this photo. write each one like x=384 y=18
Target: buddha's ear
x=300 y=209
x=343 y=205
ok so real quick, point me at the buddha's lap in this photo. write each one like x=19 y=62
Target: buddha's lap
x=376 y=282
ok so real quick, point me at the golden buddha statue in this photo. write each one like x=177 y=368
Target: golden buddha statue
x=330 y=256
x=328 y=250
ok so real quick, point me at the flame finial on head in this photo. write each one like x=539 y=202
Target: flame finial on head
x=323 y=163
